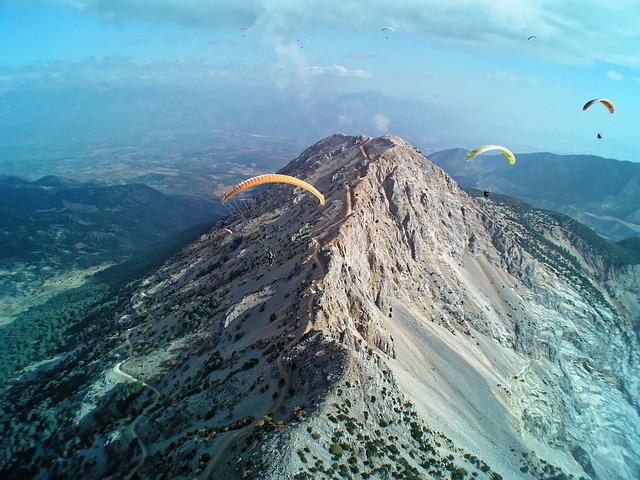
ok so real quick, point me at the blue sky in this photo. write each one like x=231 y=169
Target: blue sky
x=469 y=57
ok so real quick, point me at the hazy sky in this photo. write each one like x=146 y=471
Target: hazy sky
x=470 y=57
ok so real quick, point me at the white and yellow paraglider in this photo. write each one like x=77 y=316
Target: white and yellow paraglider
x=508 y=154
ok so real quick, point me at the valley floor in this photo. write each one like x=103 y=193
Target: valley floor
x=39 y=291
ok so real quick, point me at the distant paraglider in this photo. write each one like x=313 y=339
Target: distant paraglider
x=388 y=30
x=244 y=31
x=508 y=154
x=272 y=178
x=532 y=39
x=301 y=42
x=485 y=194
x=607 y=103
x=227 y=230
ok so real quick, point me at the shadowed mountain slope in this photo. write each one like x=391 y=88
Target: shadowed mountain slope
x=599 y=192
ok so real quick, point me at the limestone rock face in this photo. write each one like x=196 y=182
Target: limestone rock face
x=407 y=329
x=418 y=244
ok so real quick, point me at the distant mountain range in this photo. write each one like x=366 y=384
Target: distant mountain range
x=54 y=126
x=600 y=192
x=89 y=222
x=57 y=233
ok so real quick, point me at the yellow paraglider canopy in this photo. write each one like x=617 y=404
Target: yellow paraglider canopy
x=508 y=154
x=272 y=178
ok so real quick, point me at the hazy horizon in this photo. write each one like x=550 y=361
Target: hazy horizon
x=451 y=76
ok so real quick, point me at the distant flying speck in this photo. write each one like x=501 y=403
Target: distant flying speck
x=387 y=29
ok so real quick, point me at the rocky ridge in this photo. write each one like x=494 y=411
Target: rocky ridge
x=405 y=330
x=402 y=262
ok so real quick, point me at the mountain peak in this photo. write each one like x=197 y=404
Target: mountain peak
x=12 y=180
x=404 y=328
x=403 y=272
x=331 y=151
x=58 y=182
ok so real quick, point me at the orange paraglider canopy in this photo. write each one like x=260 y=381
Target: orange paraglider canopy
x=272 y=178
x=603 y=101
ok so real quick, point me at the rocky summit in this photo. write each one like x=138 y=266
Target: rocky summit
x=406 y=329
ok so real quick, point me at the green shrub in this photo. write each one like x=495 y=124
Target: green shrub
x=335 y=449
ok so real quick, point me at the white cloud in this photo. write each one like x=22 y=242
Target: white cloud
x=566 y=32
x=615 y=76
x=339 y=70
x=381 y=123
x=292 y=69
x=355 y=114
